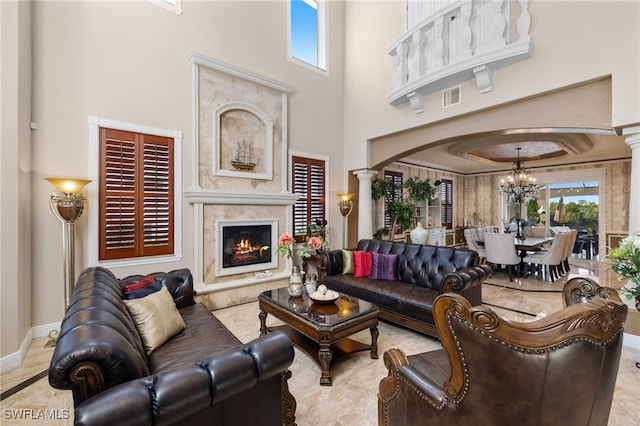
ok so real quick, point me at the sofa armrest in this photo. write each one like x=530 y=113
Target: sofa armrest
x=331 y=262
x=466 y=278
x=169 y=397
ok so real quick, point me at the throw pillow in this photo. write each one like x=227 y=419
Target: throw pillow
x=384 y=266
x=347 y=262
x=361 y=264
x=156 y=317
x=140 y=284
x=145 y=291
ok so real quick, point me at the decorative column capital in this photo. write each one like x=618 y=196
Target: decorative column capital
x=365 y=174
x=632 y=136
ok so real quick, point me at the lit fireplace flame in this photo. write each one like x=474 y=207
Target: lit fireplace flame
x=245 y=246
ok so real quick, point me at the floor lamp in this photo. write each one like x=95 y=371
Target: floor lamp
x=346 y=205
x=68 y=208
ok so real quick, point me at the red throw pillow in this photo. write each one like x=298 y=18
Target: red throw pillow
x=361 y=264
x=139 y=285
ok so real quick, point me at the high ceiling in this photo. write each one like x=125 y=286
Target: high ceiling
x=498 y=151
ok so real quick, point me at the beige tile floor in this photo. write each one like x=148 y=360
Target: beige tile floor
x=352 y=398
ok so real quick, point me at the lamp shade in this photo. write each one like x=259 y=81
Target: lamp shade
x=345 y=198
x=68 y=185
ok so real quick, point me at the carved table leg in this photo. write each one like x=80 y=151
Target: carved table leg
x=374 y=342
x=263 y=322
x=324 y=355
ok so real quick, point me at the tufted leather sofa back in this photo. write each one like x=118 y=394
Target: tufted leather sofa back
x=423 y=265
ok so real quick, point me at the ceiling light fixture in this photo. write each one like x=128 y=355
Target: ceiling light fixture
x=518 y=185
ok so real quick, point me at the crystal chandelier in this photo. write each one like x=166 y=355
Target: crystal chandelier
x=518 y=186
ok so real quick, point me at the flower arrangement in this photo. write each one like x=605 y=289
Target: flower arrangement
x=286 y=242
x=626 y=261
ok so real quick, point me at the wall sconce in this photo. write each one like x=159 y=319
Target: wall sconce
x=345 y=205
x=68 y=208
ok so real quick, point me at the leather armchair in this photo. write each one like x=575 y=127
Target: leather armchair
x=558 y=370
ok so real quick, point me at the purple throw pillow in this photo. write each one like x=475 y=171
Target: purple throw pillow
x=384 y=266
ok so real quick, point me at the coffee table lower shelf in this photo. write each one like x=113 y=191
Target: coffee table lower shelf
x=327 y=355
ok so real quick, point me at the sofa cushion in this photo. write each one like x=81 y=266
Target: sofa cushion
x=156 y=318
x=180 y=351
x=384 y=266
x=408 y=299
x=361 y=264
x=144 y=291
x=140 y=284
x=347 y=262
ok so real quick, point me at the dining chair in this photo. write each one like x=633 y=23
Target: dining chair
x=567 y=250
x=501 y=250
x=472 y=238
x=548 y=261
x=535 y=231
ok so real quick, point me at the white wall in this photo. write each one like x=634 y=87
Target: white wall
x=15 y=183
x=127 y=61
x=574 y=41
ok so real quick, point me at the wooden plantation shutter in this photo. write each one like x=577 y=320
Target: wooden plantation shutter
x=396 y=178
x=136 y=195
x=446 y=203
x=309 y=185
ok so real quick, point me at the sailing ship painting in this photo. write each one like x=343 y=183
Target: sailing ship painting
x=244 y=157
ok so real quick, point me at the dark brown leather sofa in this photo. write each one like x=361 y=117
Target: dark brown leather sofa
x=557 y=370
x=202 y=375
x=423 y=272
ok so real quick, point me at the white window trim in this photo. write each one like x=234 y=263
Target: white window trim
x=323 y=40
x=95 y=123
x=174 y=6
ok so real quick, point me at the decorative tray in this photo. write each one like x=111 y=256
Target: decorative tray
x=324 y=299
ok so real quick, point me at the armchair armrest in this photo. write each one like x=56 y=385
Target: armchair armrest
x=175 y=395
x=466 y=278
x=402 y=374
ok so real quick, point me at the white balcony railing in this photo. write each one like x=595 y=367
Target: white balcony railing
x=465 y=39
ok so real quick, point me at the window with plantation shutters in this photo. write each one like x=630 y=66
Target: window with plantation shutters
x=396 y=178
x=309 y=184
x=446 y=203
x=136 y=195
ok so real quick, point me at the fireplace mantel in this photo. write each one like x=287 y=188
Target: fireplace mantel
x=204 y=196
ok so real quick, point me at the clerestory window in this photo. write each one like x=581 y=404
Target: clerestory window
x=307 y=33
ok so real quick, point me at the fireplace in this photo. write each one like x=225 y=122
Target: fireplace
x=246 y=246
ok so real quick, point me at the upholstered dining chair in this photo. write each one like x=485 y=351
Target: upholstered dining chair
x=557 y=370
x=548 y=261
x=535 y=231
x=501 y=250
x=472 y=238
x=568 y=248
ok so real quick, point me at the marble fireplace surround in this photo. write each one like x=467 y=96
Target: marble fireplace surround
x=220 y=194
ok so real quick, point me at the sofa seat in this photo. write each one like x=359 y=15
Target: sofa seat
x=423 y=272
x=211 y=335
x=394 y=296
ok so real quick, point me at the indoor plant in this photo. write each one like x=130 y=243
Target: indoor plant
x=625 y=261
x=399 y=206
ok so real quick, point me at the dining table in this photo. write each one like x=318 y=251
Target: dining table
x=531 y=244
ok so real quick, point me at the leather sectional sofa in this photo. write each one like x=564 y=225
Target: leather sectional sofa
x=201 y=375
x=422 y=273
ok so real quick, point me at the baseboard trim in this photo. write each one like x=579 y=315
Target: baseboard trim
x=631 y=341
x=14 y=360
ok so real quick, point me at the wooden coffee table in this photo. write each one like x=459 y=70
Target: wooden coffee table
x=321 y=330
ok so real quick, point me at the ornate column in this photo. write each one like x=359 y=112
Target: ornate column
x=365 y=205
x=632 y=138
